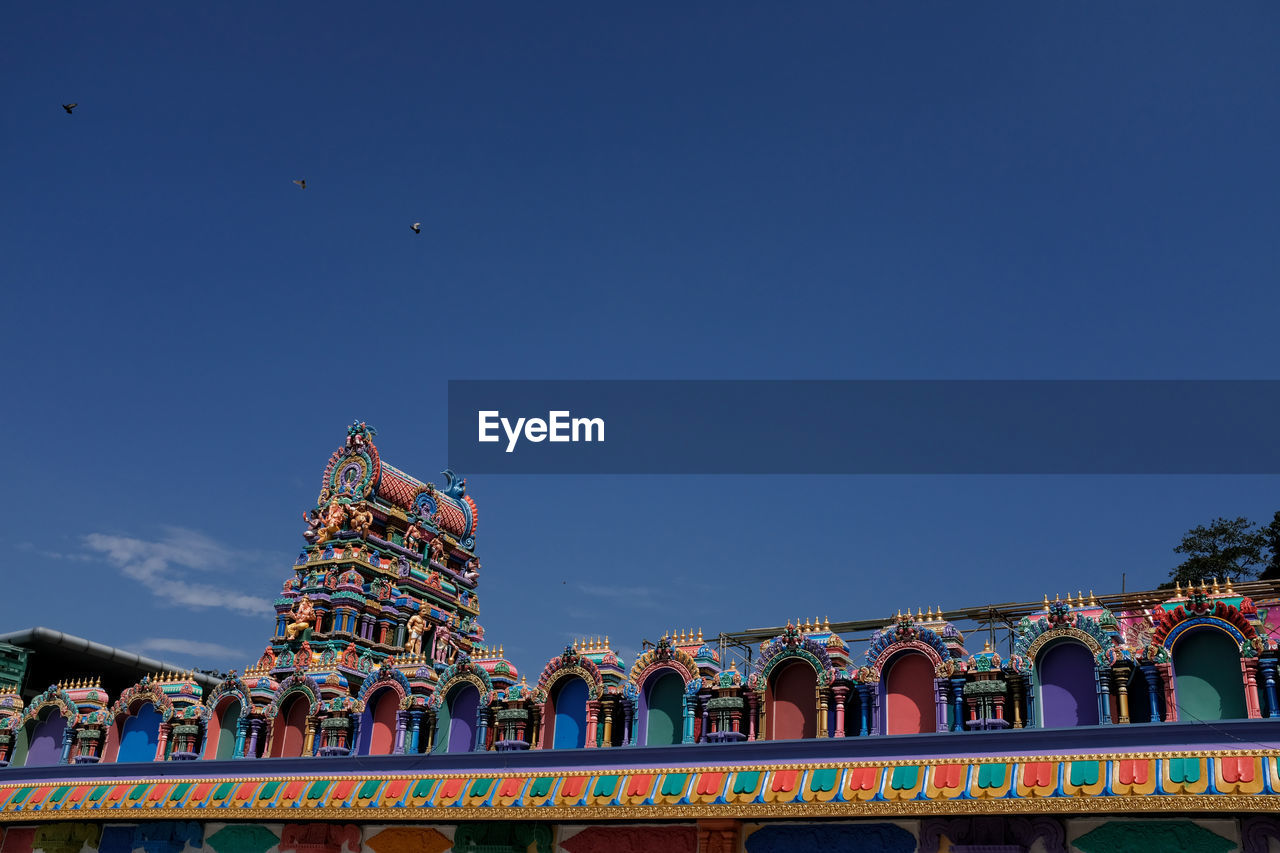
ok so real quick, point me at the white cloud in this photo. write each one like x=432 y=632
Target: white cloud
x=192 y=648
x=160 y=566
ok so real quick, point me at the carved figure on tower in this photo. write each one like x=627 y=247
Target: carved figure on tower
x=417 y=627
x=414 y=535
x=332 y=519
x=314 y=525
x=444 y=649
x=303 y=615
x=436 y=550
x=360 y=517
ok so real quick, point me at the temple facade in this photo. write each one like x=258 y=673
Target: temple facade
x=379 y=715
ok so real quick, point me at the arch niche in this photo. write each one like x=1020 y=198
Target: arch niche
x=224 y=726
x=910 y=703
x=463 y=702
x=662 y=698
x=378 y=722
x=44 y=739
x=290 y=727
x=791 y=701
x=1206 y=672
x=566 y=713
x=139 y=735
x=1067 y=676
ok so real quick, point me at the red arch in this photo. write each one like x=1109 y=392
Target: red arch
x=292 y=732
x=382 y=737
x=910 y=707
x=791 y=702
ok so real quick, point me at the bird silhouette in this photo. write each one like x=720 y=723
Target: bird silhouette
x=69 y=107
x=302 y=183
x=417 y=227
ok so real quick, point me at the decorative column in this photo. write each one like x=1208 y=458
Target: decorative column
x=752 y=701
x=864 y=708
x=1249 y=669
x=688 y=718
x=1016 y=683
x=309 y=744
x=238 y=750
x=162 y=744
x=482 y=724
x=1104 y=696
x=957 y=703
x=1122 y=690
x=415 y=730
x=255 y=732
x=402 y=722
x=1267 y=666
x=1153 y=684
x=822 y=712
x=704 y=702
x=1170 y=699
x=841 y=693
x=593 y=716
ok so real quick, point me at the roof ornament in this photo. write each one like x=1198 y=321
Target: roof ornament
x=455 y=486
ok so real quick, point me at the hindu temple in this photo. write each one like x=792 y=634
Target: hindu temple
x=379 y=717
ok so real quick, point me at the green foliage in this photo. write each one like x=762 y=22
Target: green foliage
x=1272 y=535
x=1226 y=548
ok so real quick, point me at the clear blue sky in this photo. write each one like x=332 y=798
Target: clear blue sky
x=716 y=191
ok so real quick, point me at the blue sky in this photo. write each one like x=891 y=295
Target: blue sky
x=727 y=191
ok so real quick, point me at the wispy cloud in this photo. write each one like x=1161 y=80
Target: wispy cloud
x=162 y=565
x=188 y=648
x=636 y=596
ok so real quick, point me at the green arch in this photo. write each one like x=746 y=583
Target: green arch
x=1207 y=679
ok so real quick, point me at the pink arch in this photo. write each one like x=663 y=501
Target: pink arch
x=910 y=707
x=382 y=736
x=791 y=702
x=292 y=719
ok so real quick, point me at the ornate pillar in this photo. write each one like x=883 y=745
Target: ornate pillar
x=162 y=745
x=593 y=717
x=1015 y=682
x=1170 y=689
x=841 y=693
x=607 y=740
x=238 y=750
x=1153 y=685
x=752 y=702
x=704 y=703
x=1249 y=669
x=415 y=730
x=1268 y=668
x=255 y=731
x=402 y=723
x=957 y=703
x=864 y=709
x=68 y=737
x=309 y=743
x=482 y=724
x=1122 y=690
x=1104 y=696
x=822 y=712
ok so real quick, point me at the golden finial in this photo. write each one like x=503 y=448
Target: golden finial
x=1092 y=601
x=699 y=635
x=1215 y=586
x=986 y=647
x=929 y=613
x=1177 y=589
x=1080 y=597
x=899 y=613
x=606 y=641
x=826 y=624
x=919 y=614
x=1056 y=598
x=501 y=651
x=1230 y=591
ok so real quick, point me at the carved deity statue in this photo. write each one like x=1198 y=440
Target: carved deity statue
x=436 y=550
x=314 y=523
x=417 y=627
x=414 y=536
x=444 y=650
x=303 y=614
x=360 y=518
x=331 y=519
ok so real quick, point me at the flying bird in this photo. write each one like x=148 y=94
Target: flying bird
x=417 y=227
x=302 y=183
x=69 y=107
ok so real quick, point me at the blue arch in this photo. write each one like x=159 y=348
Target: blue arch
x=571 y=715
x=140 y=736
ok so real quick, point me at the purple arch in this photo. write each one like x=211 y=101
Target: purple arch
x=46 y=741
x=464 y=702
x=1068 y=685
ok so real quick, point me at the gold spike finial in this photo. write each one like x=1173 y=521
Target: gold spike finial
x=699 y=635
x=1177 y=589
x=1230 y=591
x=1092 y=600
x=1215 y=586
